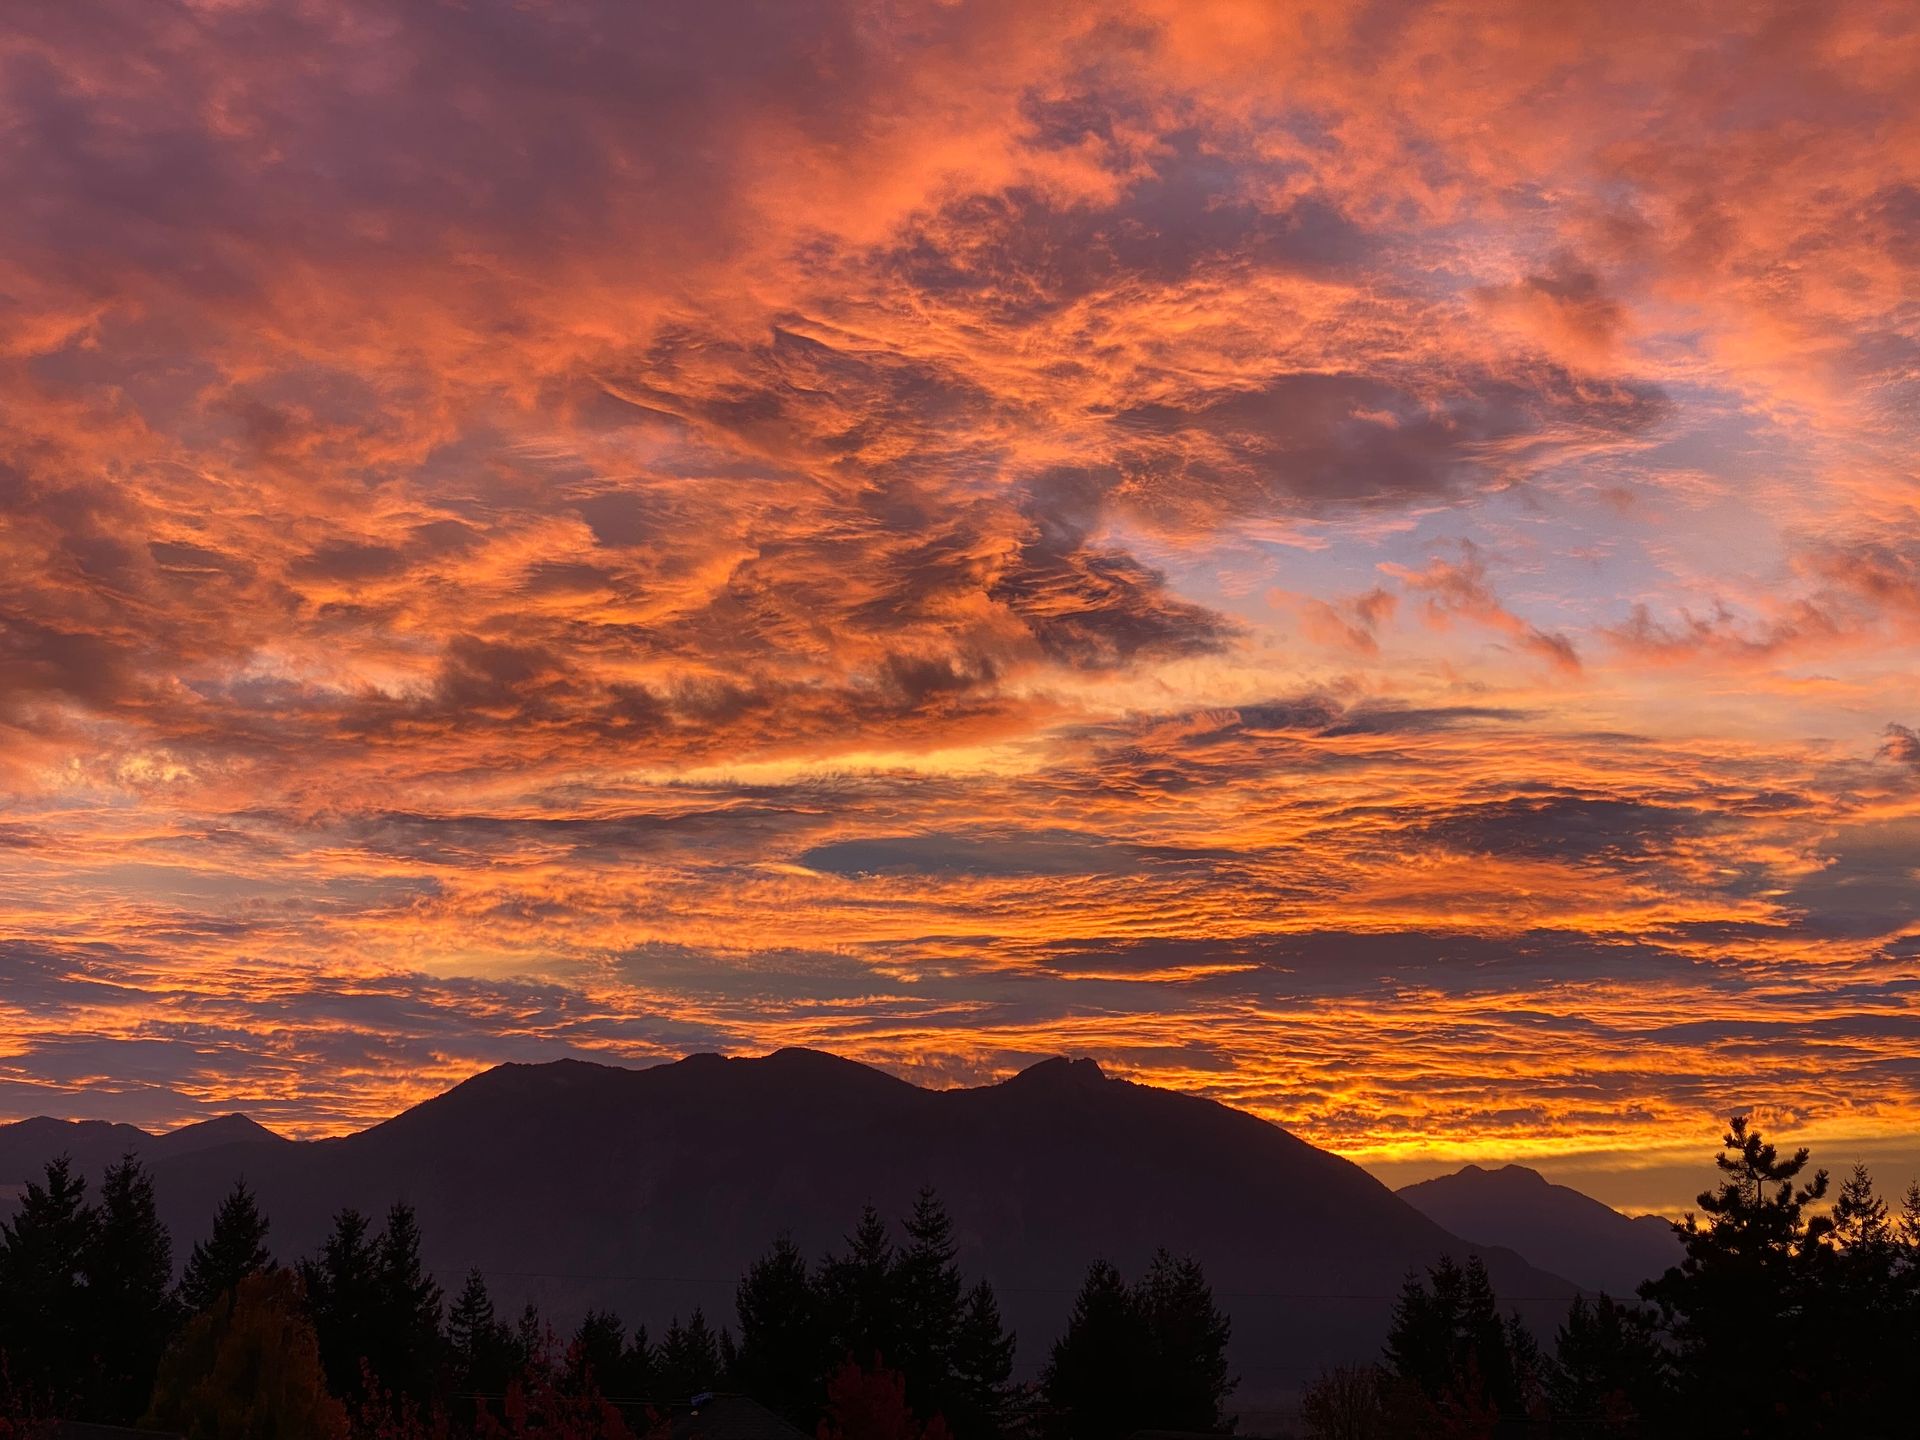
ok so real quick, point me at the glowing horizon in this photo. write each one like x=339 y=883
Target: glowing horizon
x=1363 y=562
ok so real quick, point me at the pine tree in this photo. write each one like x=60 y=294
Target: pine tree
x=928 y=1288
x=1095 y=1382
x=1739 y=1305
x=236 y=1249
x=783 y=1355
x=45 y=1251
x=406 y=1309
x=129 y=1275
x=1188 y=1379
x=983 y=1353
x=340 y=1299
x=862 y=1312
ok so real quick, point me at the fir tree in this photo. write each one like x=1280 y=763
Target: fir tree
x=1454 y=1361
x=483 y=1348
x=532 y=1341
x=689 y=1359
x=406 y=1309
x=1609 y=1371
x=783 y=1357
x=129 y=1275
x=341 y=1298
x=236 y=1249
x=1188 y=1380
x=45 y=1252
x=640 y=1365
x=595 y=1358
x=1095 y=1382
x=983 y=1353
x=927 y=1288
x=862 y=1313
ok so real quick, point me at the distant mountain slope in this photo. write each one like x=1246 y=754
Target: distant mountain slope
x=27 y=1145
x=1554 y=1226
x=650 y=1190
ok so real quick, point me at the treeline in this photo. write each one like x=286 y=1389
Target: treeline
x=883 y=1340
x=1786 y=1316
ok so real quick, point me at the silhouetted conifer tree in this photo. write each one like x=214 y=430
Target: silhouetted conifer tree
x=531 y=1339
x=928 y=1288
x=44 y=1306
x=341 y=1298
x=1095 y=1382
x=595 y=1359
x=1188 y=1380
x=129 y=1276
x=1609 y=1375
x=689 y=1359
x=1740 y=1306
x=861 y=1298
x=783 y=1354
x=1449 y=1351
x=236 y=1249
x=1867 y=1322
x=482 y=1347
x=640 y=1365
x=983 y=1351
x=406 y=1309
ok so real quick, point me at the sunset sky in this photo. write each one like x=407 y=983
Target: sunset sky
x=1360 y=560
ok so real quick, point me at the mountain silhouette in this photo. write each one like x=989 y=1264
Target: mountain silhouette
x=1554 y=1226
x=649 y=1190
x=93 y=1145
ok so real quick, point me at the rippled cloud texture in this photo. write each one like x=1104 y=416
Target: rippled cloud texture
x=1360 y=559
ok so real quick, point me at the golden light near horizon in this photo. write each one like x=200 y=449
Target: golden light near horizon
x=1361 y=561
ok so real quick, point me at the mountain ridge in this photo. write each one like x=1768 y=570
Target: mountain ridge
x=1557 y=1227
x=649 y=1189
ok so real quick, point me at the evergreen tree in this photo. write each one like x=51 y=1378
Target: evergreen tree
x=640 y=1365
x=927 y=1289
x=341 y=1299
x=406 y=1311
x=236 y=1249
x=1866 y=1321
x=689 y=1359
x=862 y=1312
x=532 y=1342
x=983 y=1353
x=1609 y=1371
x=1188 y=1381
x=1452 y=1359
x=783 y=1356
x=129 y=1276
x=483 y=1348
x=595 y=1358
x=1740 y=1305
x=1095 y=1382
x=45 y=1251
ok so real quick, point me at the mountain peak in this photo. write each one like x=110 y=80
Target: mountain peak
x=234 y=1129
x=1059 y=1070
